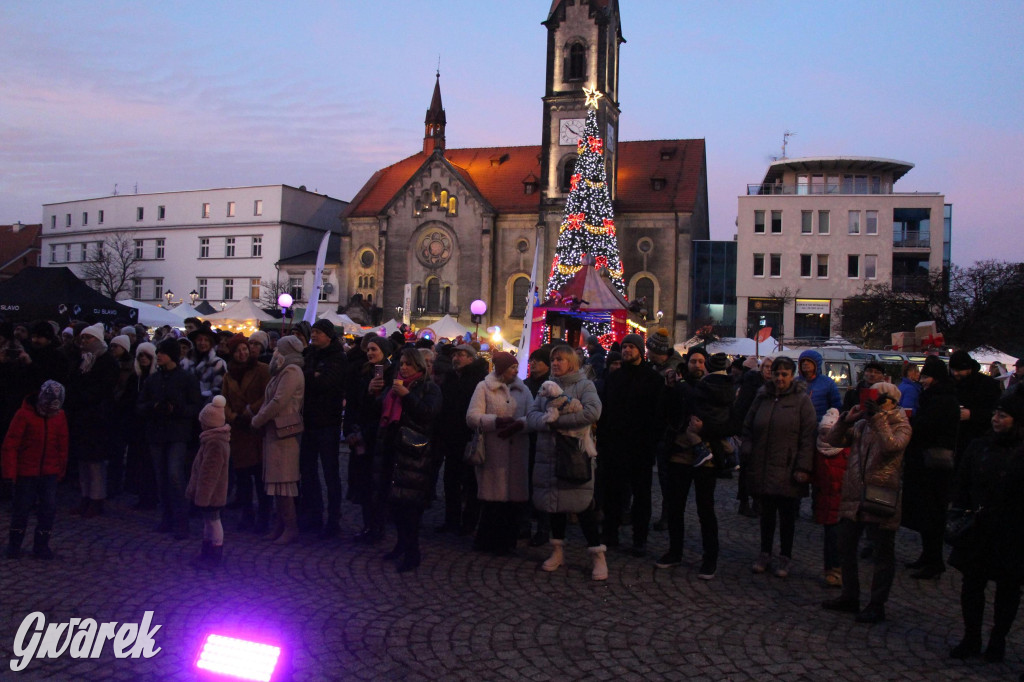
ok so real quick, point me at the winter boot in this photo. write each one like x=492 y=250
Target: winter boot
x=600 y=571
x=557 y=556
x=41 y=545
x=203 y=560
x=290 y=526
x=17 y=536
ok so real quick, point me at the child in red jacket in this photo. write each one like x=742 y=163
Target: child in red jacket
x=35 y=457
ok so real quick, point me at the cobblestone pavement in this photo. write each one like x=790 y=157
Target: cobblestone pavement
x=342 y=612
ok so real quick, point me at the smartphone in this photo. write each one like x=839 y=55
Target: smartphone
x=867 y=395
x=378 y=371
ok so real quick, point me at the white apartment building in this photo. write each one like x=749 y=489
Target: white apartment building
x=220 y=243
x=816 y=230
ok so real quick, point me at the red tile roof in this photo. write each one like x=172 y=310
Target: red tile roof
x=498 y=174
x=15 y=245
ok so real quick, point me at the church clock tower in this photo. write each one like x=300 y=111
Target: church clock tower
x=583 y=52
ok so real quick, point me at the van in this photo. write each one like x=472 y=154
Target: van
x=845 y=364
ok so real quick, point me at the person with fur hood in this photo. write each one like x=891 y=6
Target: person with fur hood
x=208 y=485
x=35 y=457
x=826 y=489
x=879 y=433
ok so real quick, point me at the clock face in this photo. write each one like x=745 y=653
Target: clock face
x=610 y=140
x=570 y=130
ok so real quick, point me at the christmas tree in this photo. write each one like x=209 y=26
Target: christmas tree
x=588 y=226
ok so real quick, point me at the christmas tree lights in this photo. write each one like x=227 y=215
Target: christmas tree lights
x=588 y=226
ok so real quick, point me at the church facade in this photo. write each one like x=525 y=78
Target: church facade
x=443 y=227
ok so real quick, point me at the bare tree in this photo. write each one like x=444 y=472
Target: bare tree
x=270 y=291
x=114 y=266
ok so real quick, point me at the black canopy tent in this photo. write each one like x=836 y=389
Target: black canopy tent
x=57 y=294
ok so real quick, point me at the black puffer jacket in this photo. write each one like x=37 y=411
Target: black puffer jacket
x=412 y=469
x=457 y=389
x=631 y=419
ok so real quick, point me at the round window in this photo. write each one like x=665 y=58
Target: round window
x=644 y=245
x=366 y=258
x=522 y=245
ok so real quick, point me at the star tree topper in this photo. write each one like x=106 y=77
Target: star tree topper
x=592 y=96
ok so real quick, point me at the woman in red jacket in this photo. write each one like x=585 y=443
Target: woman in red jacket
x=35 y=457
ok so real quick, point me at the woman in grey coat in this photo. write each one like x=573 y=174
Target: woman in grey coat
x=779 y=435
x=558 y=497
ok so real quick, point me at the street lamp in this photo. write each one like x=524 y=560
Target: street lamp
x=193 y=295
x=285 y=300
x=223 y=305
x=169 y=295
x=399 y=309
x=477 y=309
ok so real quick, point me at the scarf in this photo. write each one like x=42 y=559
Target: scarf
x=391 y=412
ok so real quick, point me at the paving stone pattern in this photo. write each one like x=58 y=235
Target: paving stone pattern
x=343 y=613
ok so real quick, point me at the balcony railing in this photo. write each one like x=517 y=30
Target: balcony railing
x=910 y=284
x=912 y=240
x=778 y=188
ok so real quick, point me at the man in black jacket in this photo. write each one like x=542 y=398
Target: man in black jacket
x=325 y=373
x=170 y=402
x=978 y=394
x=461 y=509
x=627 y=435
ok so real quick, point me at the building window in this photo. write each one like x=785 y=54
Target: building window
x=203 y=289
x=139 y=250
x=257 y=247
x=231 y=209
x=803 y=184
x=775 y=265
x=871 y=222
x=823 y=226
x=83 y=252
x=136 y=289
x=67 y=220
x=854 y=222
x=85 y=218
x=161 y=212
x=758 y=222
x=295 y=288
x=758 y=265
x=99 y=217
x=643 y=291
x=323 y=291
x=160 y=249
x=257 y=207
x=433 y=295
x=520 y=295
x=853 y=266
x=823 y=266
x=806 y=220
x=204 y=247
x=776 y=222
x=870 y=267
x=254 y=288
x=53 y=222
x=206 y=210
x=158 y=288
x=568 y=168
x=576 y=63
x=139 y=213
x=67 y=253
x=805 y=265
x=53 y=253
x=229 y=289
x=453 y=206
x=229 y=247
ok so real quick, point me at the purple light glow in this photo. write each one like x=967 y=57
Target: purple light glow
x=238 y=658
x=478 y=307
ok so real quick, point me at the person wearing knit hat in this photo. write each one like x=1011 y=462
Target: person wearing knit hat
x=96 y=331
x=658 y=342
x=171 y=348
x=234 y=342
x=750 y=363
x=636 y=341
x=208 y=485
x=303 y=330
x=325 y=326
x=502 y=361
x=130 y=332
x=47 y=360
x=718 y=363
x=872 y=373
x=259 y=346
x=123 y=342
x=43 y=330
x=977 y=393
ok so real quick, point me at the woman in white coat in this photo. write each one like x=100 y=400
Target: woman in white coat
x=498 y=409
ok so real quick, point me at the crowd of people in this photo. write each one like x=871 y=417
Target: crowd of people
x=198 y=422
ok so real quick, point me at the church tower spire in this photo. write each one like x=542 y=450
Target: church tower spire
x=433 y=136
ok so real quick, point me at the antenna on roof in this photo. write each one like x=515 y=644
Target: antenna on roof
x=785 y=141
x=136 y=188
x=115 y=189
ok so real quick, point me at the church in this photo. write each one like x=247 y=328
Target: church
x=431 y=233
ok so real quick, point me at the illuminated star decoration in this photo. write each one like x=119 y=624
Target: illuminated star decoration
x=592 y=96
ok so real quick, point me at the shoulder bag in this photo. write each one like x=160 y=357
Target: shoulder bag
x=880 y=501
x=288 y=425
x=474 y=452
x=938 y=458
x=572 y=464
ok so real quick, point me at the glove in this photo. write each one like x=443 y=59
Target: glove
x=503 y=422
x=511 y=430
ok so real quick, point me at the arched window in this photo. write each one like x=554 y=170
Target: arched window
x=645 y=287
x=453 y=206
x=433 y=295
x=568 y=168
x=576 y=64
x=520 y=294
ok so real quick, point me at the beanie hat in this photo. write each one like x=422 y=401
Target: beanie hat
x=502 y=361
x=260 y=338
x=1013 y=405
x=887 y=389
x=960 y=359
x=719 y=363
x=235 y=341
x=935 y=368
x=467 y=348
x=50 y=398
x=122 y=341
x=67 y=331
x=542 y=354
x=44 y=330
x=326 y=327
x=750 y=362
x=145 y=348
x=290 y=345
x=875 y=365
x=614 y=356
x=385 y=345
x=659 y=342
x=304 y=329
x=637 y=341
x=700 y=350
x=212 y=416
x=170 y=348
x=593 y=341
x=129 y=331
x=96 y=331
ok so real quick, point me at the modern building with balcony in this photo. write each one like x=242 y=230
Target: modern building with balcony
x=222 y=243
x=815 y=231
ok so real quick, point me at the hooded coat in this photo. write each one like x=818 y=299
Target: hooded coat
x=284 y=395
x=822 y=391
x=504 y=475
x=208 y=484
x=934 y=425
x=35 y=445
x=550 y=494
x=779 y=440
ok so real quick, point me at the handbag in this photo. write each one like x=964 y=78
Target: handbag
x=412 y=441
x=572 y=464
x=938 y=458
x=288 y=425
x=879 y=500
x=961 y=527
x=474 y=452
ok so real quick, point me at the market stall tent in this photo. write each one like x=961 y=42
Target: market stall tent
x=347 y=324
x=57 y=294
x=152 y=315
x=446 y=328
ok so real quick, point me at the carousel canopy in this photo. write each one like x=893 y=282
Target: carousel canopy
x=590 y=290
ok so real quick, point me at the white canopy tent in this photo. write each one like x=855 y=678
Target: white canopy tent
x=985 y=356
x=152 y=315
x=446 y=328
x=244 y=310
x=184 y=311
x=735 y=346
x=347 y=324
x=386 y=329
